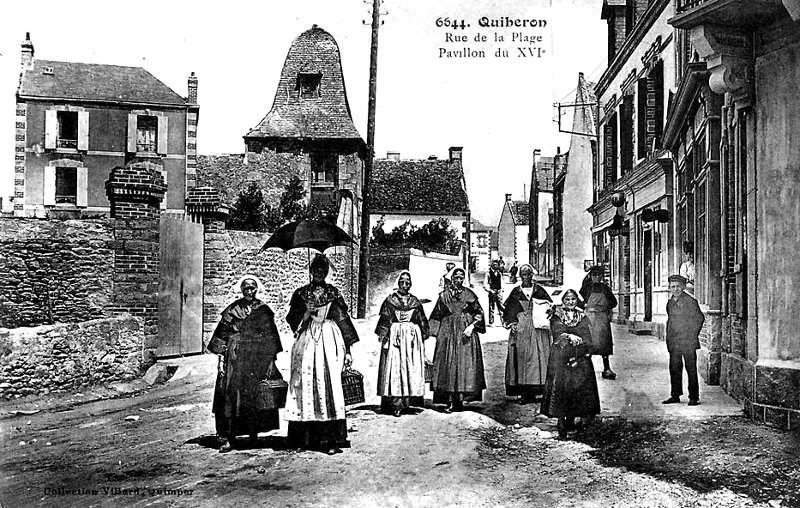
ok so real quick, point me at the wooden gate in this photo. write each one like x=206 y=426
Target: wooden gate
x=180 y=287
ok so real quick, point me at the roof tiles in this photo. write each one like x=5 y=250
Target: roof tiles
x=95 y=82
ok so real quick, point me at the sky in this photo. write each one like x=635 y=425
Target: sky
x=498 y=108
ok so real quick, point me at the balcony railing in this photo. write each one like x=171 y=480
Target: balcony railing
x=146 y=147
x=685 y=5
x=67 y=143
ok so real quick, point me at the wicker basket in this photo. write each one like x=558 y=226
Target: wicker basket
x=272 y=394
x=353 y=386
x=272 y=390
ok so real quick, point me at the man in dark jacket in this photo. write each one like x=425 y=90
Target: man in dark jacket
x=494 y=285
x=684 y=322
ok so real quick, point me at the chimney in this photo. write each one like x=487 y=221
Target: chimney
x=27 y=52
x=433 y=158
x=192 y=98
x=558 y=150
x=508 y=197
x=455 y=153
x=393 y=156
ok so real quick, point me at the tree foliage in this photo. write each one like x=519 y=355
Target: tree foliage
x=251 y=212
x=436 y=235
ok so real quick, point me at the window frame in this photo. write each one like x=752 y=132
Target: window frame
x=63 y=173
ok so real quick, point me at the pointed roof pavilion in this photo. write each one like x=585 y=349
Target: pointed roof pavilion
x=311 y=100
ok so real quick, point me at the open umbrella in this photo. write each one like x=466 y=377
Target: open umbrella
x=309 y=233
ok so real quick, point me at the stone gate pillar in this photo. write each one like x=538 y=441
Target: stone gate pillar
x=135 y=192
x=204 y=204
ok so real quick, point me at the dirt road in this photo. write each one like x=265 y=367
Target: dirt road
x=157 y=449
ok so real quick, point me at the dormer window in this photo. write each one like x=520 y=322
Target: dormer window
x=308 y=85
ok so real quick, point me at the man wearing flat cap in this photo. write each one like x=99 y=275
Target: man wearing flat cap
x=684 y=322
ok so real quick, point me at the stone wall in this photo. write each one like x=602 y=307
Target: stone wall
x=54 y=271
x=54 y=358
x=232 y=173
x=709 y=357
x=229 y=255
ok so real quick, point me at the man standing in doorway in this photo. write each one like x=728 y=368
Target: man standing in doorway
x=494 y=285
x=684 y=322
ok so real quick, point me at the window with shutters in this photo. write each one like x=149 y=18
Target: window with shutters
x=626 y=133
x=66 y=186
x=610 y=152
x=641 y=118
x=67 y=129
x=308 y=85
x=146 y=133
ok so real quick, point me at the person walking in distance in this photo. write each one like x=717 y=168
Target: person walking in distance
x=684 y=322
x=600 y=301
x=444 y=281
x=494 y=286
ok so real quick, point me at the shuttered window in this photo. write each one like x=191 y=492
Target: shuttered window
x=148 y=134
x=65 y=185
x=66 y=130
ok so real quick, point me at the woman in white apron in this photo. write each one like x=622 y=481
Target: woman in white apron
x=315 y=406
x=526 y=315
x=402 y=328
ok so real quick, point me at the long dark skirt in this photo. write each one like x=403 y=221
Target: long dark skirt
x=526 y=361
x=457 y=363
x=389 y=404
x=236 y=414
x=316 y=435
x=571 y=388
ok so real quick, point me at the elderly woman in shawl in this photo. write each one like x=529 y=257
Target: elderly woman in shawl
x=526 y=316
x=571 y=388
x=315 y=405
x=456 y=321
x=247 y=341
x=402 y=328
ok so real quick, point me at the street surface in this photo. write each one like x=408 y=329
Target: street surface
x=157 y=448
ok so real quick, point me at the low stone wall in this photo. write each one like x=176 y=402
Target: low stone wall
x=54 y=358
x=232 y=254
x=54 y=271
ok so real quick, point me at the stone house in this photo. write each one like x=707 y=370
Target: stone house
x=730 y=126
x=76 y=121
x=480 y=246
x=633 y=177
x=420 y=191
x=539 y=207
x=512 y=232
x=308 y=133
x=572 y=194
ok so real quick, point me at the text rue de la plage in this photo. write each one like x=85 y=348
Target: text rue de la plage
x=491 y=37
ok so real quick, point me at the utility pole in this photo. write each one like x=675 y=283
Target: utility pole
x=363 y=260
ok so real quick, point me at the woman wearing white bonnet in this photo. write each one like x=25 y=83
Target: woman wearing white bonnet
x=247 y=341
x=402 y=328
x=525 y=314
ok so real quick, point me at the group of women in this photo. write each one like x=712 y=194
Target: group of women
x=549 y=355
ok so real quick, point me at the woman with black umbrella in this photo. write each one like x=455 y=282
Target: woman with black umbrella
x=315 y=405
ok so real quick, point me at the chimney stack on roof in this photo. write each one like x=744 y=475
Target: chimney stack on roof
x=508 y=197
x=393 y=156
x=27 y=52
x=192 y=98
x=455 y=153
